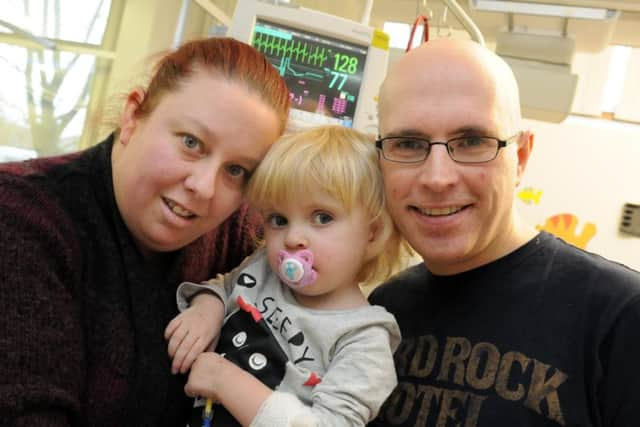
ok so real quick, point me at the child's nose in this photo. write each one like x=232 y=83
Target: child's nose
x=296 y=239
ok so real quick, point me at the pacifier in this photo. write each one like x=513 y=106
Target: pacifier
x=295 y=269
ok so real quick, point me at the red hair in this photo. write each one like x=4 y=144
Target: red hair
x=231 y=59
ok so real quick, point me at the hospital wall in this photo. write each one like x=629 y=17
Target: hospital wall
x=583 y=172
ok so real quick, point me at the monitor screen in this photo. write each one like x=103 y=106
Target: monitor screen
x=323 y=74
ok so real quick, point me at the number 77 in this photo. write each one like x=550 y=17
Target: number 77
x=336 y=75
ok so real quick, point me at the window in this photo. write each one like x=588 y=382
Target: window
x=617 y=73
x=54 y=56
x=400 y=32
x=607 y=84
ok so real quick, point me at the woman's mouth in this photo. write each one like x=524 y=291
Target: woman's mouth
x=178 y=209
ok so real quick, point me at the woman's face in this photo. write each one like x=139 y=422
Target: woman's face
x=181 y=171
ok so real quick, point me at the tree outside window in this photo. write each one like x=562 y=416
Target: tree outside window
x=52 y=57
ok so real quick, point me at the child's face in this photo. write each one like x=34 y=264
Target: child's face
x=339 y=240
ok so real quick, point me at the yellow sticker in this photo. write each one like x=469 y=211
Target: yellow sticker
x=380 y=39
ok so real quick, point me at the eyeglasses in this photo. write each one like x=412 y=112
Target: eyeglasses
x=464 y=149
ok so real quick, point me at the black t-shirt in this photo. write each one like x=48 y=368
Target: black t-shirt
x=545 y=336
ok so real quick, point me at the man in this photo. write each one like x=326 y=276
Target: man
x=502 y=326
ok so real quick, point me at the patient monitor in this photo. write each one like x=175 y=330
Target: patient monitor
x=333 y=67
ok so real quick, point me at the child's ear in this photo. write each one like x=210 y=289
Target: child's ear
x=378 y=236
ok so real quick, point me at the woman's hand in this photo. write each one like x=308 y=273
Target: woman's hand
x=194 y=330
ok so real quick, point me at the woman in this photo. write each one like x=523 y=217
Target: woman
x=84 y=236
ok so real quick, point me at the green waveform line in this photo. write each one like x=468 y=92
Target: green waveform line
x=299 y=52
x=285 y=67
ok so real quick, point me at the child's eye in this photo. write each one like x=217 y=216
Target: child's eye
x=276 y=220
x=322 y=218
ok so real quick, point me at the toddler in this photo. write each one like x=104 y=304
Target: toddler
x=300 y=343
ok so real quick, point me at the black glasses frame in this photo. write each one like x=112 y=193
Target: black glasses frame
x=501 y=144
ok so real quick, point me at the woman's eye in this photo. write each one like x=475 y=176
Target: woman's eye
x=322 y=218
x=237 y=171
x=190 y=142
x=276 y=220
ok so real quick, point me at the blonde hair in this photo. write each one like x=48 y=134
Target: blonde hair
x=342 y=163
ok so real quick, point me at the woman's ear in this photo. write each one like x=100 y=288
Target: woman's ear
x=129 y=116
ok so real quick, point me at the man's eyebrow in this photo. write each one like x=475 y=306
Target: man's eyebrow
x=409 y=132
x=472 y=130
x=463 y=130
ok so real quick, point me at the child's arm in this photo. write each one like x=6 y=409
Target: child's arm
x=216 y=378
x=197 y=327
x=194 y=330
x=358 y=380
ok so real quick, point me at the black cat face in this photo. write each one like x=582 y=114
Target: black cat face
x=251 y=345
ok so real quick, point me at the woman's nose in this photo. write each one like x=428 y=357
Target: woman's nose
x=202 y=180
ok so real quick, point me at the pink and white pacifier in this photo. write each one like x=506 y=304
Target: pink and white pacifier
x=295 y=269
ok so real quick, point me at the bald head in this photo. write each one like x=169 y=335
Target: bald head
x=437 y=68
x=456 y=215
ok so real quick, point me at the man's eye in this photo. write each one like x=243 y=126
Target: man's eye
x=322 y=218
x=470 y=141
x=190 y=142
x=276 y=220
x=409 y=144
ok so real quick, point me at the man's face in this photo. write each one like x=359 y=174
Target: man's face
x=456 y=216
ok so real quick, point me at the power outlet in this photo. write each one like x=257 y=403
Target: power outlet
x=630 y=222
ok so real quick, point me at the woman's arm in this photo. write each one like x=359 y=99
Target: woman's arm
x=42 y=360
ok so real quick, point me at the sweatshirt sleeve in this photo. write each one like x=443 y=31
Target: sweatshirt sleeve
x=221 y=285
x=188 y=290
x=284 y=410
x=359 y=379
x=42 y=360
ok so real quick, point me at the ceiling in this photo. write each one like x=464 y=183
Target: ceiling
x=590 y=36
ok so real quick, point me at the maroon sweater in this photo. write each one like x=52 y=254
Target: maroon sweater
x=82 y=312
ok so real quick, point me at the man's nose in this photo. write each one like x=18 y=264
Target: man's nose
x=439 y=171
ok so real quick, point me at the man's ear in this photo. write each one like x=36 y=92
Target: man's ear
x=525 y=147
x=129 y=116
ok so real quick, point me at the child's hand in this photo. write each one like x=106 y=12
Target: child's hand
x=214 y=377
x=194 y=330
x=207 y=376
